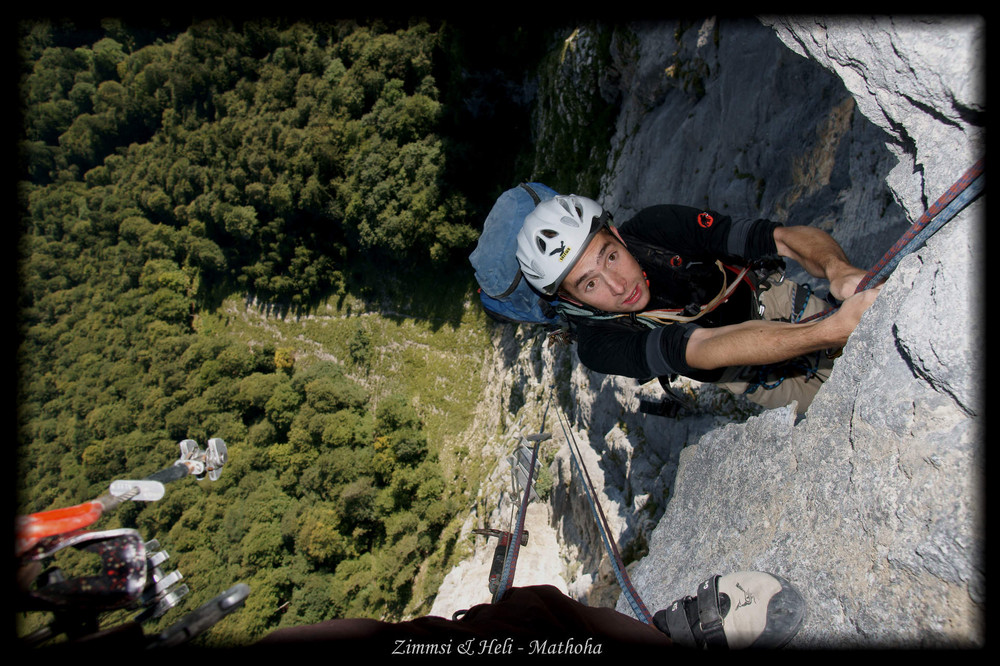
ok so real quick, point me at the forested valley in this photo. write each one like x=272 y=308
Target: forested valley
x=168 y=170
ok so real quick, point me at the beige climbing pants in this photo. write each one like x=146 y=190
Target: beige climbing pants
x=796 y=380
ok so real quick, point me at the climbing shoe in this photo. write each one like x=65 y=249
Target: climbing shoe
x=747 y=609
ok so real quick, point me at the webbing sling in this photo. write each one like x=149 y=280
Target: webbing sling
x=662 y=316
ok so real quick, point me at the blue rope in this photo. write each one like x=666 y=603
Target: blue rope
x=920 y=237
x=638 y=607
x=762 y=372
x=959 y=195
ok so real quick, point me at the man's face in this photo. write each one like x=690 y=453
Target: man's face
x=607 y=277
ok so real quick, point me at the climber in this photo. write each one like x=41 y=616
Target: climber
x=683 y=291
x=745 y=609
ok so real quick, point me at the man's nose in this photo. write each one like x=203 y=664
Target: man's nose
x=616 y=283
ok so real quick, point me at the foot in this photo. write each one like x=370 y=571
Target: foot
x=747 y=609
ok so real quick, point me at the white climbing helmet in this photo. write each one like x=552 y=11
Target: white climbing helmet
x=553 y=237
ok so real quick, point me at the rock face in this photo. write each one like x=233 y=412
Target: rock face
x=872 y=503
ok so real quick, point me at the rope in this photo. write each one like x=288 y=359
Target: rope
x=638 y=607
x=510 y=560
x=958 y=196
x=925 y=227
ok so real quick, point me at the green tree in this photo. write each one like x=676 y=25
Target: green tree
x=320 y=539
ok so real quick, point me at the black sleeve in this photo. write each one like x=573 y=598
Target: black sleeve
x=642 y=354
x=701 y=233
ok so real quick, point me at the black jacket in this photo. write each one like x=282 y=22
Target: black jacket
x=677 y=247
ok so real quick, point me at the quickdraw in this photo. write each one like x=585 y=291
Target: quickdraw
x=802 y=295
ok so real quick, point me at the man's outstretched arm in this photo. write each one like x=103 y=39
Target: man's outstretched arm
x=762 y=342
x=821 y=256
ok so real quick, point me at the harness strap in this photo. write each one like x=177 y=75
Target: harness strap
x=517 y=278
x=670 y=315
x=662 y=316
x=534 y=195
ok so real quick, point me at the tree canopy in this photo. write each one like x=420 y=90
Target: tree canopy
x=266 y=154
x=162 y=167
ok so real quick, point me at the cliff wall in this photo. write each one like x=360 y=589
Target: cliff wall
x=872 y=503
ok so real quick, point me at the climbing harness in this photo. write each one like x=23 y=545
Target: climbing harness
x=957 y=197
x=770 y=376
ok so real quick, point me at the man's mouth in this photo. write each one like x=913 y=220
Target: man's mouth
x=633 y=297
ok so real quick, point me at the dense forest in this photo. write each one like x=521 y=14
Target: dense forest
x=165 y=167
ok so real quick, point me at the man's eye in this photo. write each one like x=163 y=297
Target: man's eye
x=590 y=286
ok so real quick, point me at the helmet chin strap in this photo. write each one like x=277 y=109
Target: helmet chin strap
x=562 y=294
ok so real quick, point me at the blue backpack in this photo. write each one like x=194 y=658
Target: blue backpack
x=505 y=295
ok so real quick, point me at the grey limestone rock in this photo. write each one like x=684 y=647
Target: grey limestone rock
x=872 y=503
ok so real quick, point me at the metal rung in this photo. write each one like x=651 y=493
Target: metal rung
x=520 y=462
